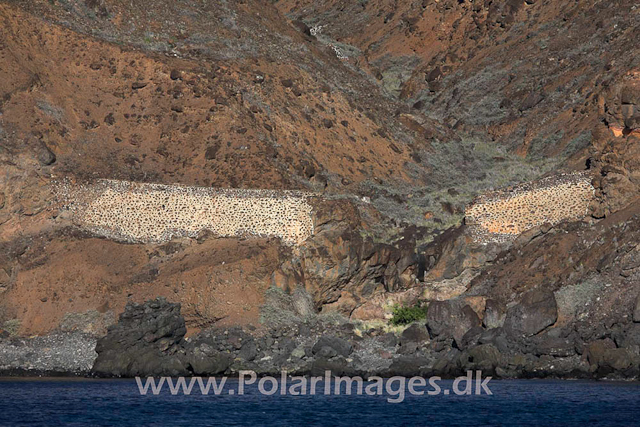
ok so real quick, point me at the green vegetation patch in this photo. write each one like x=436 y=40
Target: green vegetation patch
x=404 y=315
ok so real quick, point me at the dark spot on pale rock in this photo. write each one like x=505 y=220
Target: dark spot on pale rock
x=211 y=152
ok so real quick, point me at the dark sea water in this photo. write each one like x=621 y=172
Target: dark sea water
x=514 y=402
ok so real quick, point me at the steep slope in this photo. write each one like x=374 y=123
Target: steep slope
x=253 y=119
x=250 y=102
x=528 y=73
x=397 y=113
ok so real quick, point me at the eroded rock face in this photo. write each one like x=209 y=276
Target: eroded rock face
x=622 y=106
x=618 y=163
x=494 y=314
x=536 y=311
x=145 y=341
x=340 y=268
x=451 y=319
x=616 y=148
x=456 y=251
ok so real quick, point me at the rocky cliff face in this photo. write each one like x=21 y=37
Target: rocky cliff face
x=251 y=103
x=398 y=115
x=615 y=151
x=340 y=268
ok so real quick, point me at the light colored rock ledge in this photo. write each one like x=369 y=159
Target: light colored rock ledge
x=502 y=215
x=155 y=213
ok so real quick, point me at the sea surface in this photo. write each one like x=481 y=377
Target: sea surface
x=86 y=402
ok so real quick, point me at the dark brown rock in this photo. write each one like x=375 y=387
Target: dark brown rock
x=434 y=75
x=466 y=320
x=533 y=99
x=109 y=119
x=470 y=338
x=416 y=332
x=630 y=94
x=44 y=154
x=302 y=27
x=596 y=350
x=439 y=317
x=211 y=152
x=536 y=311
x=446 y=320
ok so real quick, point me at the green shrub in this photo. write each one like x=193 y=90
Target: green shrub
x=403 y=315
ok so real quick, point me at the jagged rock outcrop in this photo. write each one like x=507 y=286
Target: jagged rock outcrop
x=621 y=106
x=339 y=267
x=451 y=319
x=145 y=341
x=455 y=251
x=616 y=150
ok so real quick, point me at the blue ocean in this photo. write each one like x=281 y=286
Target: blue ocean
x=86 y=402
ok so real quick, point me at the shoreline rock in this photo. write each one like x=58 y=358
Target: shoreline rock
x=149 y=340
